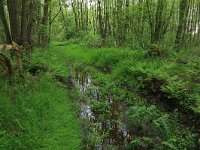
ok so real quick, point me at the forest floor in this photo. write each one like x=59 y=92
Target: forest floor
x=36 y=112
x=158 y=96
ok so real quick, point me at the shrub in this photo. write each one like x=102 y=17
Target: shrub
x=148 y=122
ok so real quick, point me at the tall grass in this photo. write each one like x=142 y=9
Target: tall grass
x=35 y=113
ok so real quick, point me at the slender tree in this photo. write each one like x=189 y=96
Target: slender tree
x=4 y=22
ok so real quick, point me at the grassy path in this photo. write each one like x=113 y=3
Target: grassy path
x=61 y=128
x=36 y=113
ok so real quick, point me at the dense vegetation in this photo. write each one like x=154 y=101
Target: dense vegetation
x=100 y=74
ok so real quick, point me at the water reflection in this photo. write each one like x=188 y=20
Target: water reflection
x=114 y=125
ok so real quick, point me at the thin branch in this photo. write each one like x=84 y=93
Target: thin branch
x=55 y=16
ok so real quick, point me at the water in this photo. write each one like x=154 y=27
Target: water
x=113 y=125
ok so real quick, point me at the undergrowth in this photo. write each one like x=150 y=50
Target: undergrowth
x=132 y=68
x=35 y=112
x=123 y=73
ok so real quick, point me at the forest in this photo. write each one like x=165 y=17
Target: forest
x=99 y=74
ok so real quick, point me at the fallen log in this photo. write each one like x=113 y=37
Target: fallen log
x=6 y=61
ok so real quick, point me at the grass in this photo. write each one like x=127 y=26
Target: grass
x=36 y=113
x=119 y=71
x=61 y=128
x=180 y=71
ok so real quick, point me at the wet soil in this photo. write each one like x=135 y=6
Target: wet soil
x=110 y=124
x=154 y=94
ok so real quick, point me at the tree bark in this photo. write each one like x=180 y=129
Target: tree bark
x=182 y=21
x=4 y=22
x=32 y=22
x=14 y=16
x=44 y=37
x=24 y=22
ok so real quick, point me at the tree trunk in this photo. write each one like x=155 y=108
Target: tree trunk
x=32 y=22
x=182 y=21
x=24 y=22
x=14 y=16
x=44 y=37
x=5 y=23
x=100 y=19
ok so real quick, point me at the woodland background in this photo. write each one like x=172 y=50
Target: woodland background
x=100 y=74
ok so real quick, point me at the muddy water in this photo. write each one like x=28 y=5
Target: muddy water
x=112 y=127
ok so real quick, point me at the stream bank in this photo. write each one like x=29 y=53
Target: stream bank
x=107 y=120
x=105 y=85
x=139 y=121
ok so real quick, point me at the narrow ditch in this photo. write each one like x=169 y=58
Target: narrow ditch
x=110 y=121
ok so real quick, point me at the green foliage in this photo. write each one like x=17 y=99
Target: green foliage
x=106 y=60
x=138 y=143
x=72 y=34
x=154 y=50
x=32 y=116
x=49 y=60
x=128 y=76
x=130 y=69
x=101 y=107
x=157 y=130
x=177 y=143
x=35 y=113
x=121 y=72
x=92 y=41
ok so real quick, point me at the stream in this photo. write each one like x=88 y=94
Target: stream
x=110 y=125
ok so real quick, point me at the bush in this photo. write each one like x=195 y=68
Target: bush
x=106 y=59
x=93 y=41
x=129 y=75
x=150 y=123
